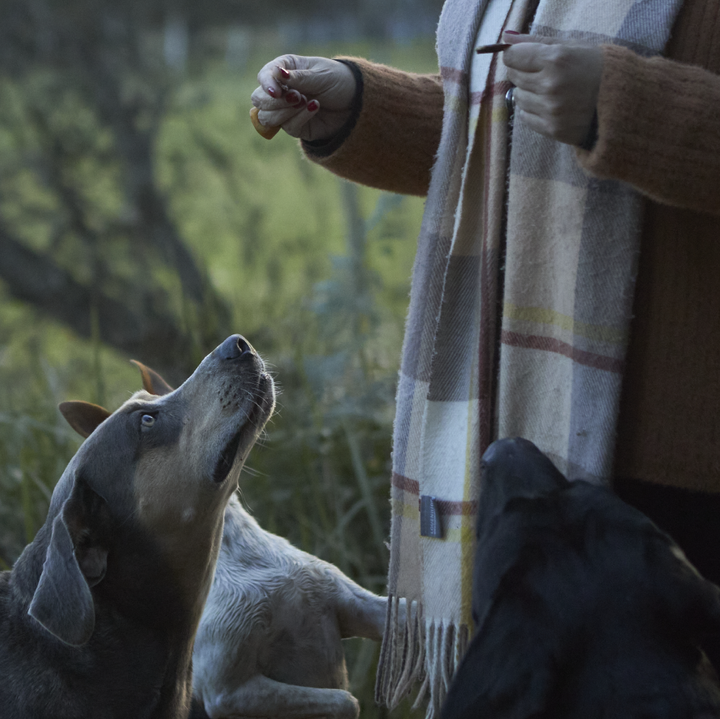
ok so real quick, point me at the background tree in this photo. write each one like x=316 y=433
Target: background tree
x=82 y=101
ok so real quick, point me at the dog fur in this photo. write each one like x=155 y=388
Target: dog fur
x=99 y=613
x=583 y=607
x=269 y=641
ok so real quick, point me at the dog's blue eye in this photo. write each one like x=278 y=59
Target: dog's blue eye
x=147 y=420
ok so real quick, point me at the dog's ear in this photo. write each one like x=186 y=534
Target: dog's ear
x=152 y=381
x=76 y=560
x=83 y=417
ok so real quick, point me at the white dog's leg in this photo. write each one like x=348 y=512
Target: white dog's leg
x=362 y=613
x=261 y=697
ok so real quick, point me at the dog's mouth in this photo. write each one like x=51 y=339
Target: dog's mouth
x=255 y=421
x=227 y=458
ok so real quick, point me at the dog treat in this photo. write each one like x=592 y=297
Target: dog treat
x=267 y=132
x=497 y=47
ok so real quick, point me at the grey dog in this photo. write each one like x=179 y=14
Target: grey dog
x=99 y=614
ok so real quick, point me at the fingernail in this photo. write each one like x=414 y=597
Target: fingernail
x=511 y=32
x=284 y=73
x=270 y=91
x=292 y=97
x=312 y=106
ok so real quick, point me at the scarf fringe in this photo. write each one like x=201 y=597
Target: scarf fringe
x=416 y=650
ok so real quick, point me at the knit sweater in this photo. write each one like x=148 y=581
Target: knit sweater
x=658 y=130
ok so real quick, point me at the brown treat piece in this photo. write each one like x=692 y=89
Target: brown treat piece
x=497 y=47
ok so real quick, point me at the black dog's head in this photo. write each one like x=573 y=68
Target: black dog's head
x=145 y=494
x=513 y=468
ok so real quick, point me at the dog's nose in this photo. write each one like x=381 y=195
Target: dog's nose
x=234 y=347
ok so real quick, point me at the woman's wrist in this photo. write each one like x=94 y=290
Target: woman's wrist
x=329 y=145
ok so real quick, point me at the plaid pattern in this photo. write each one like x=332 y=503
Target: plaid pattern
x=535 y=351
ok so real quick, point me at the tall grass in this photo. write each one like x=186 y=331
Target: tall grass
x=317 y=273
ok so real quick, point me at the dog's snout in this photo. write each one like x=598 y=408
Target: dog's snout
x=235 y=347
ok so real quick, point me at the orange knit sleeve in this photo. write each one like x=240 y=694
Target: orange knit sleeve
x=658 y=129
x=393 y=143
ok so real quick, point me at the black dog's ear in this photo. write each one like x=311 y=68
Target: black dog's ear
x=83 y=417
x=152 y=381
x=76 y=560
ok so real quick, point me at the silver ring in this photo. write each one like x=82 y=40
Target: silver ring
x=510 y=99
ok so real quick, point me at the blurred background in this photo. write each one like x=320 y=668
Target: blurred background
x=142 y=217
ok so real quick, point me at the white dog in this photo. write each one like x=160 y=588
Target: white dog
x=269 y=644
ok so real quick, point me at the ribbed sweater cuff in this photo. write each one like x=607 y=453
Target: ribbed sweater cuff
x=325 y=148
x=658 y=129
x=391 y=142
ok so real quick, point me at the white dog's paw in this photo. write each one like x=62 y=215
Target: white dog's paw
x=261 y=697
x=348 y=706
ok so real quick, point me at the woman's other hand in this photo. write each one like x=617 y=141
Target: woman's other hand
x=309 y=97
x=556 y=85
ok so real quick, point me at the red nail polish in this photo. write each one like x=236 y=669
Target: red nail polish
x=284 y=73
x=511 y=32
x=271 y=92
x=292 y=98
x=312 y=106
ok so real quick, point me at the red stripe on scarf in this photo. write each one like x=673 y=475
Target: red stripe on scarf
x=548 y=344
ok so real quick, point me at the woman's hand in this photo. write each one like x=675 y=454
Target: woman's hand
x=309 y=97
x=556 y=85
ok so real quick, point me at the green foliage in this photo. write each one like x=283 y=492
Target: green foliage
x=316 y=273
x=42 y=364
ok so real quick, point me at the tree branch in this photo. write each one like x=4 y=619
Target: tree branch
x=152 y=337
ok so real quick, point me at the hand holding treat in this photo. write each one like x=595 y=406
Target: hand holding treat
x=308 y=97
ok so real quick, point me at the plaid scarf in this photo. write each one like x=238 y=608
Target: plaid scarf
x=518 y=320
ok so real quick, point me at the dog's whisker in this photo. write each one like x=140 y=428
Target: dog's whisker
x=253 y=472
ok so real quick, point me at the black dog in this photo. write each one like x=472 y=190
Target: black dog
x=583 y=607
x=99 y=614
